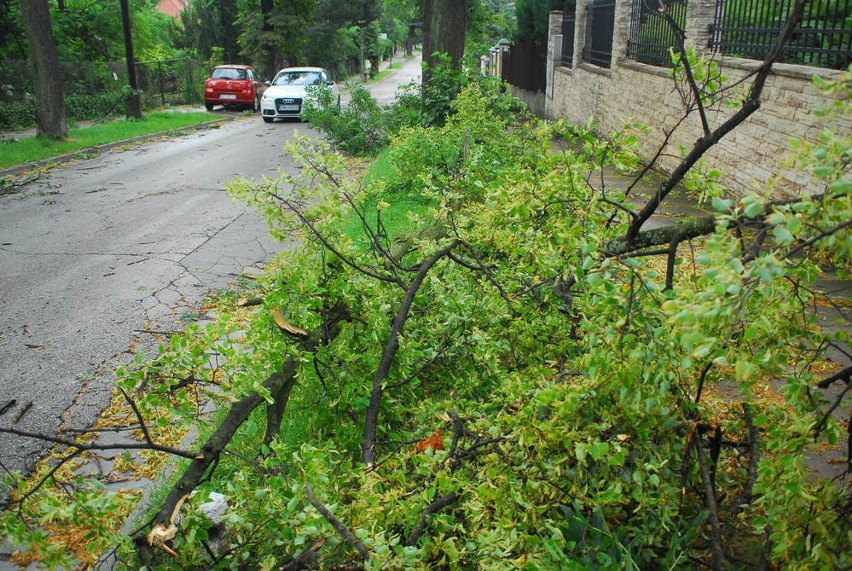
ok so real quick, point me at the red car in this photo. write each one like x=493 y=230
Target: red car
x=234 y=86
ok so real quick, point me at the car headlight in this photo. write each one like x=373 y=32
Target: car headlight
x=266 y=97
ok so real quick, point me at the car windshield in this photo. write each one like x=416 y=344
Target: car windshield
x=229 y=73
x=297 y=78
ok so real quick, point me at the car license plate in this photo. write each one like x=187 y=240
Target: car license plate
x=228 y=96
x=288 y=107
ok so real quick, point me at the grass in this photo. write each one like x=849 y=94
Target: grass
x=386 y=72
x=32 y=149
x=400 y=205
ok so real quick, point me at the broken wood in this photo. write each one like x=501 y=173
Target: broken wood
x=7 y=405
x=249 y=302
x=371 y=416
x=23 y=411
x=208 y=456
x=286 y=326
x=338 y=525
x=435 y=506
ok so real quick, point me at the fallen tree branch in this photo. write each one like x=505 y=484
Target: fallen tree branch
x=745 y=496
x=216 y=443
x=661 y=236
x=711 y=138
x=371 y=417
x=827 y=414
x=435 y=506
x=305 y=558
x=82 y=446
x=710 y=503
x=338 y=526
x=844 y=375
x=625 y=246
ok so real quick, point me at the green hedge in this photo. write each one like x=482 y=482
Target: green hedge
x=22 y=114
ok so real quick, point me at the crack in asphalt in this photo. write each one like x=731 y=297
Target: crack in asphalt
x=170 y=302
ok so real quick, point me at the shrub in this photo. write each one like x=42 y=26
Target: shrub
x=361 y=128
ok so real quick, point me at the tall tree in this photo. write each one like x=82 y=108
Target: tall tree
x=228 y=13
x=47 y=83
x=444 y=29
x=133 y=103
x=274 y=33
x=336 y=20
x=532 y=16
x=399 y=18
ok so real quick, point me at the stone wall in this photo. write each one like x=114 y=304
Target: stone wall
x=632 y=92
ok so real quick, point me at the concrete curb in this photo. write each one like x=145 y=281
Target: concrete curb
x=62 y=159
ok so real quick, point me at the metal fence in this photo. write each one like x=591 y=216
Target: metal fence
x=651 y=34
x=748 y=29
x=525 y=64
x=97 y=89
x=600 y=26
x=569 y=20
x=171 y=82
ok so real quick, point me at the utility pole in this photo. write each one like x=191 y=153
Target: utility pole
x=132 y=105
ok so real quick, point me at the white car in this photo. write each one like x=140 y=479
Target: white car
x=286 y=93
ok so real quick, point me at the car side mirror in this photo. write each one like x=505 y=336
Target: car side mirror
x=329 y=83
x=267 y=83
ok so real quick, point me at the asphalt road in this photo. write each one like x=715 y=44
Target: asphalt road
x=96 y=254
x=97 y=251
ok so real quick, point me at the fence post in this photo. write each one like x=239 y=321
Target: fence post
x=620 y=32
x=190 y=81
x=700 y=15
x=581 y=16
x=162 y=87
x=554 y=48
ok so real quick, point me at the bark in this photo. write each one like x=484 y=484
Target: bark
x=47 y=83
x=371 y=417
x=430 y=510
x=444 y=30
x=660 y=236
x=702 y=226
x=133 y=103
x=205 y=460
x=718 y=562
x=338 y=525
x=710 y=138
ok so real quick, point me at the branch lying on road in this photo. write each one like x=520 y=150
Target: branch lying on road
x=277 y=384
x=371 y=417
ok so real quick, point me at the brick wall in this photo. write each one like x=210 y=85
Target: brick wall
x=635 y=92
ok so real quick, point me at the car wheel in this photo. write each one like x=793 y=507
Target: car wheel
x=267 y=119
x=255 y=104
x=208 y=105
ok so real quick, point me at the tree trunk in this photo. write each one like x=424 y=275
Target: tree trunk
x=47 y=84
x=133 y=103
x=270 y=66
x=444 y=29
